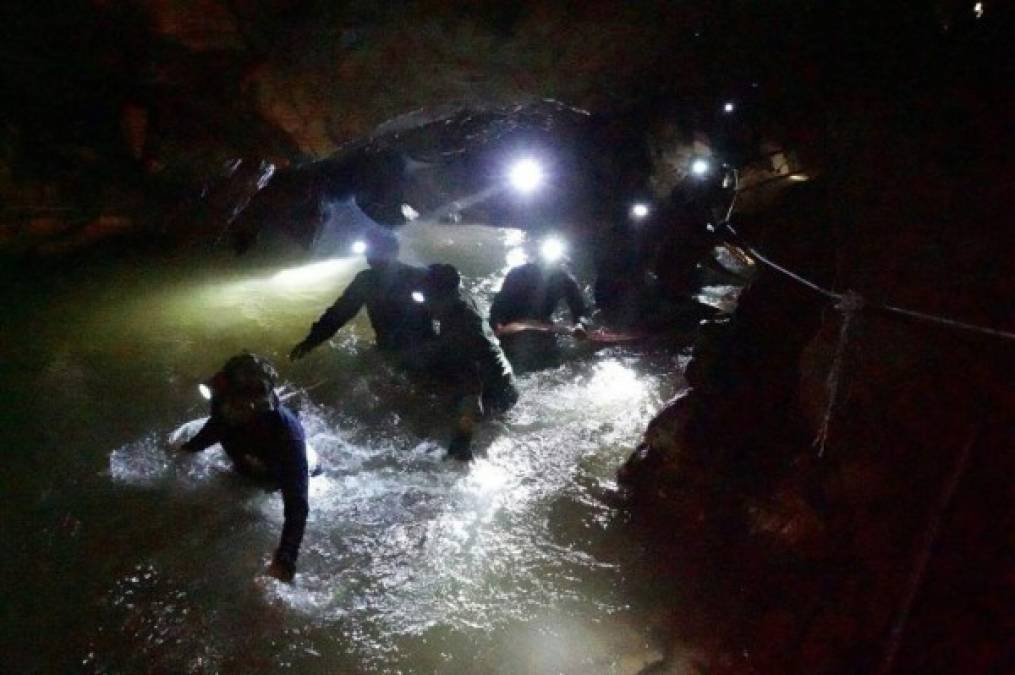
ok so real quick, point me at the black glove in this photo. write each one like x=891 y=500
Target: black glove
x=300 y=350
x=282 y=569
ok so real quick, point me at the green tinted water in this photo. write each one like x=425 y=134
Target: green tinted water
x=125 y=557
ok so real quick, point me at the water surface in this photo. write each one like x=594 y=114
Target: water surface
x=130 y=557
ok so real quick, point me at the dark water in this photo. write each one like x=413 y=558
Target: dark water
x=123 y=556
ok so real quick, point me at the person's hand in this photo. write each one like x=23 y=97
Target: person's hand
x=189 y=446
x=282 y=570
x=299 y=351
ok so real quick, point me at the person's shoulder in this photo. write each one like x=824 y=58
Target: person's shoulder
x=406 y=269
x=465 y=310
x=369 y=274
x=560 y=278
x=290 y=422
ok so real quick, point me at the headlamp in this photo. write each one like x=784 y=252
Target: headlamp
x=553 y=249
x=526 y=175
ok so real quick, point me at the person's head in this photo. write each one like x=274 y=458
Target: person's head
x=530 y=274
x=244 y=387
x=441 y=286
x=382 y=248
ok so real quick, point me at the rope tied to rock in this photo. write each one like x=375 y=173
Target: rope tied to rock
x=850 y=305
x=727 y=223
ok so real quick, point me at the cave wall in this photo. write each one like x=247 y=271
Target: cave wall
x=856 y=559
x=131 y=111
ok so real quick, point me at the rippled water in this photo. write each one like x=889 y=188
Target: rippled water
x=131 y=557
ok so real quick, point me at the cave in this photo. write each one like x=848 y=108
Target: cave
x=774 y=430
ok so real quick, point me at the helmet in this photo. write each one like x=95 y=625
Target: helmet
x=442 y=280
x=245 y=383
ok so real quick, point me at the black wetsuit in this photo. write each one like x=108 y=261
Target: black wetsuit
x=399 y=322
x=531 y=294
x=622 y=284
x=273 y=446
x=467 y=353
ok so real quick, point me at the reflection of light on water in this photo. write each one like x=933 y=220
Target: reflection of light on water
x=402 y=548
x=310 y=273
x=614 y=382
x=516 y=257
x=514 y=237
x=487 y=477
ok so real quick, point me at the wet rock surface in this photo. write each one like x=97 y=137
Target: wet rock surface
x=880 y=551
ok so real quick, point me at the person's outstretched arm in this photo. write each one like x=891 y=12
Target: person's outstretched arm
x=336 y=316
x=210 y=434
x=295 y=501
x=564 y=285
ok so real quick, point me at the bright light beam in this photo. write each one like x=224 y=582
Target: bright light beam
x=205 y=391
x=359 y=247
x=310 y=273
x=417 y=296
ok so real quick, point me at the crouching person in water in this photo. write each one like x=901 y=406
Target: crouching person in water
x=467 y=354
x=264 y=440
x=522 y=314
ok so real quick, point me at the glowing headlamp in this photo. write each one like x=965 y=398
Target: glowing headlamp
x=526 y=175
x=700 y=167
x=639 y=211
x=359 y=247
x=552 y=249
x=205 y=391
x=417 y=296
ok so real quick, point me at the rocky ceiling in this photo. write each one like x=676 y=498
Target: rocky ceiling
x=128 y=105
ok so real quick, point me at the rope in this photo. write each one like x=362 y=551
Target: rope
x=945 y=321
x=912 y=313
x=850 y=305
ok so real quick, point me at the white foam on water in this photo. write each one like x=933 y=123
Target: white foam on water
x=402 y=545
